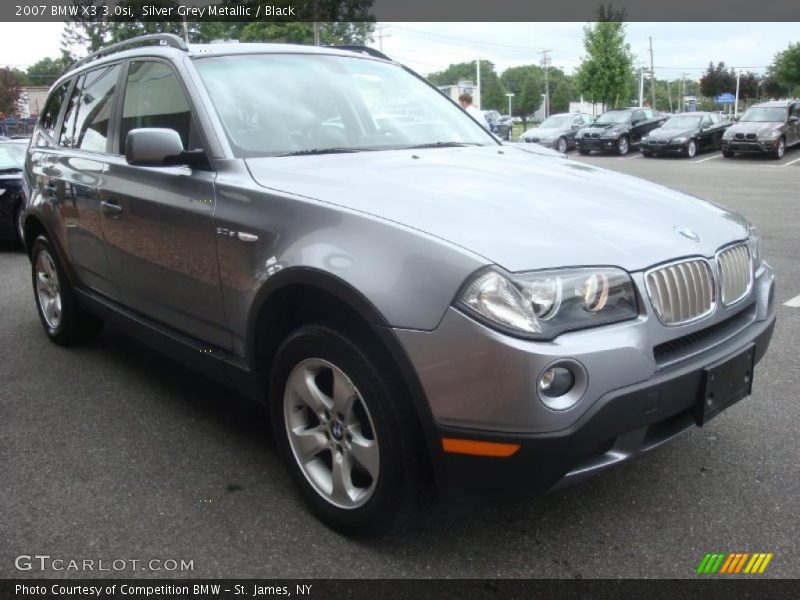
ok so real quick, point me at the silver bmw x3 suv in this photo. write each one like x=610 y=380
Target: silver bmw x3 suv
x=415 y=302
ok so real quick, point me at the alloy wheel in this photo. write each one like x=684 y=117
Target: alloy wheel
x=622 y=145
x=561 y=145
x=691 y=149
x=48 y=290
x=781 y=148
x=331 y=433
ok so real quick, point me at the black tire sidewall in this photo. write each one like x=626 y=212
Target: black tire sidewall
x=398 y=489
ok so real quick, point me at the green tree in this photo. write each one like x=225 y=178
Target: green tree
x=46 y=71
x=606 y=73
x=493 y=95
x=527 y=84
x=785 y=69
x=562 y=90
x=10 y=89
x=717 y=80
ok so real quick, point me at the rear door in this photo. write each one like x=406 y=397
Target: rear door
x=159 y=225
x=793 y=128
x=638 y=126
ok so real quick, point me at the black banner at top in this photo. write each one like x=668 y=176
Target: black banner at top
x=397 y=10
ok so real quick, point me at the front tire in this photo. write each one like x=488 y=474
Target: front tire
x=728 y=153
x=623 y=145
x=62 y=317
x=561 y=145
x=647 y=153
x=19 y=224
x=584 y=151
x=691 y=149
x=780 y=149
x=347 y=434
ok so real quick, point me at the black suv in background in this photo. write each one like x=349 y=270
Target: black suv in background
x=686 y=134
x=618 y=130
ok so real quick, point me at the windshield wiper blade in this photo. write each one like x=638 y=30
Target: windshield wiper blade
x=324 y=151
x=444 y=145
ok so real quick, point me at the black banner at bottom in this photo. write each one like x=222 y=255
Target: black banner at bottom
x=707 y=588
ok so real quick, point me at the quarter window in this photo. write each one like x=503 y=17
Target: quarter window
x=67 y=137
x=49 y=117
x=154 y=98
x=94 y=112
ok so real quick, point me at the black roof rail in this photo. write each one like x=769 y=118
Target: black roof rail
x=363 y=50
x=163 y=39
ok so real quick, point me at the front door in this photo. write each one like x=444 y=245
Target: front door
x=158 y=222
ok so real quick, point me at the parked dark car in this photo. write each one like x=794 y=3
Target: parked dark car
x=767 y=128
x=412 y=300
x=12 y=159
x=618 y=130
x=686 y=134
x=498 y=124
x=557 y=131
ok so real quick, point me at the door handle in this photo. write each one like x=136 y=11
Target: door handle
x=111 y=208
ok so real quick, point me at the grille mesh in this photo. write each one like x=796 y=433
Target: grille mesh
x=682 y=291
x=736 y=273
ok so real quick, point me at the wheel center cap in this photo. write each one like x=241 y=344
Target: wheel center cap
x=336 y=430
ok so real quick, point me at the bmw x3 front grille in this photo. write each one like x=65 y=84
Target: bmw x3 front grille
x=682 y=291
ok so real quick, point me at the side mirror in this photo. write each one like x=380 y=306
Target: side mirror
x=735 y=118
x=636 y=121
x=794 y=119
x=154 y=147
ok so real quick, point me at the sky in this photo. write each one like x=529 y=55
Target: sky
x=425 y=47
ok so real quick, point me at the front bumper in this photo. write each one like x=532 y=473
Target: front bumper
x=750 y=146
x=641 y=391
x=599 y=144
x=664 y=148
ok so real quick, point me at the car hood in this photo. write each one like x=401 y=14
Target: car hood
x=667 y=134
x=606 y=128
x=519 y=210
x=754 y=127
x=538 y=132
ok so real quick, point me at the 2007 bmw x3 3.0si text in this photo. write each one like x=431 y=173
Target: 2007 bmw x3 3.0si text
x=414 y=300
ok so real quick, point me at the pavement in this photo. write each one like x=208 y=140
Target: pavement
x=110 y=451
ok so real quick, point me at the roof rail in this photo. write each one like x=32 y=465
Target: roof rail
x=363 y=50
x=163 y=39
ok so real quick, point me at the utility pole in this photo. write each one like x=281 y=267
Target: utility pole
x=736 y=102
x=652 y=75
x=683 y=92
x=477 y=97
x=381 y=35
x=545 y=64
x=669 y=95
x=641 y=86
x=314 y=12
x=185 y=30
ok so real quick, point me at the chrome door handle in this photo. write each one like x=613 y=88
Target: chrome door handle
x=111 y=208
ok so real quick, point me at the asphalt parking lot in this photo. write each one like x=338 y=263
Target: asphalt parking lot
x=111 y=451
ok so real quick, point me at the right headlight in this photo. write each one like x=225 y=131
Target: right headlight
x=543 y=304
x=754 y=242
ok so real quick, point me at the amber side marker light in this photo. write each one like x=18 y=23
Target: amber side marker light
x=475 y=448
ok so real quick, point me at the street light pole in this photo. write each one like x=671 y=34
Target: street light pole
x=509 y=95
x=477 y=97
x=736 y=101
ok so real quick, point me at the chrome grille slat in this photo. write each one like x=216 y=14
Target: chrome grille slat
x=682 y=291
x=736 y=273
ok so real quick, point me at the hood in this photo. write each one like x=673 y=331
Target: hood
x=606 y=128
x=663 y=133
x=542 y=133
x=519 y=210
x=754 y=127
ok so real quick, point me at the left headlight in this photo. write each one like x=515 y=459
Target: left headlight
x=543 y=304
x=754 y=242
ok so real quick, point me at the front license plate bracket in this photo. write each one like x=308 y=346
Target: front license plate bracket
x=725 y=383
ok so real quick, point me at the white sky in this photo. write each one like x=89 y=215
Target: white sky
x=426 y=47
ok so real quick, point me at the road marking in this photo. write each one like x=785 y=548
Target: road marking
x=791 y=162
x=793 y=303
x=627 y=157
x=694 y=162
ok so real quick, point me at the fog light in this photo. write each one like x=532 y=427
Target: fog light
x=555 y=382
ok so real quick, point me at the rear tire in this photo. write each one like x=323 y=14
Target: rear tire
x=62 y=317
x=346 y=432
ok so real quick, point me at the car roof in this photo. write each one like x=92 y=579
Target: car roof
x=198 y=51
x=695 y=113
x=775 y=103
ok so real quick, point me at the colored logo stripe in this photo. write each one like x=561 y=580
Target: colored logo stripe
x=733 y=562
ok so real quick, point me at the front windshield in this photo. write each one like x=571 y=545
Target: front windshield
x=764 y=115
x=615 y=116
x=12 y=156
x=682 y=123
x=279 y=104
x=556 y=122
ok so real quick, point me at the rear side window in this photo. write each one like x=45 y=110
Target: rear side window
x=94 y=111
x=52 y=109
x=154 y=98
x=67 y=137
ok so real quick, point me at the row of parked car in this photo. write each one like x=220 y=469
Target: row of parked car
x=767 y=128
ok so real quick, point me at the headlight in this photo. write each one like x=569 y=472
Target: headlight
x=728 y=135
x=679 y=140
x=770 y=135
x=754 y=242
x=543 y=304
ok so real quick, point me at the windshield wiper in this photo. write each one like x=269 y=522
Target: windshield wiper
x=443 y=145
x=11 y=170
x=324 y=151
